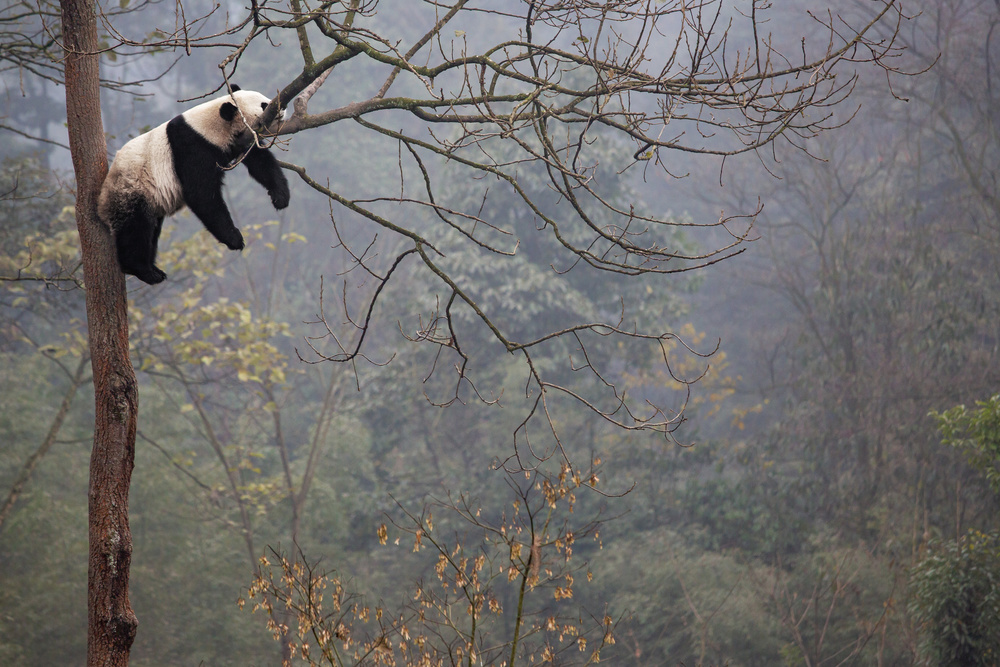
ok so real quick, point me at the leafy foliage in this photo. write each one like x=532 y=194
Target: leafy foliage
x=976 y=432
x=500 y=593
x=955 y=600
x=955 y=586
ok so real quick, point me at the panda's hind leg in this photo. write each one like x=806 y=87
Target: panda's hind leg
x=136 y=239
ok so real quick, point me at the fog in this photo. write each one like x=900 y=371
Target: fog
x=538 y=392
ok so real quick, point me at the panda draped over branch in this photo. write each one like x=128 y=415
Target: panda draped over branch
x=181 y=163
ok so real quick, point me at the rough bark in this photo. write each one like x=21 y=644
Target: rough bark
x=112 y=624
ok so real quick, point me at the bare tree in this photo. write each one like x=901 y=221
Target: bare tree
x=566 y=79
x=563 y=77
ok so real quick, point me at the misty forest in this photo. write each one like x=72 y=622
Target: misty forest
x=646 y=332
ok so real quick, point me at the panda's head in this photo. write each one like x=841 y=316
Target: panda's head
x=241 y=109
x=226 y=121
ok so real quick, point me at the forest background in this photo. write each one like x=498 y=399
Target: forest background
x=812 y=496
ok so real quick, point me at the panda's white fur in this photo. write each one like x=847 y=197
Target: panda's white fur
x=145 y=165
x=181 y=163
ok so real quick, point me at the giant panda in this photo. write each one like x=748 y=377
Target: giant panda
x=181 y=163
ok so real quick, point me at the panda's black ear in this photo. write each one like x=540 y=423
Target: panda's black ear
x=233 y=88
x=228 y=111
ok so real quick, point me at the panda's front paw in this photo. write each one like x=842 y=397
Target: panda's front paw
x=233 y=240
x=280 y=197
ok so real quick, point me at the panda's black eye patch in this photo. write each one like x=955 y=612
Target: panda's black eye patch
x=263 y=105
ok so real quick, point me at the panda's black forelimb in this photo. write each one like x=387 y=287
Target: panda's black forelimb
x=196 y=163
x=264 y=169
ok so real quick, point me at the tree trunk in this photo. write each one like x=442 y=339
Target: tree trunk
x=112 y=624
